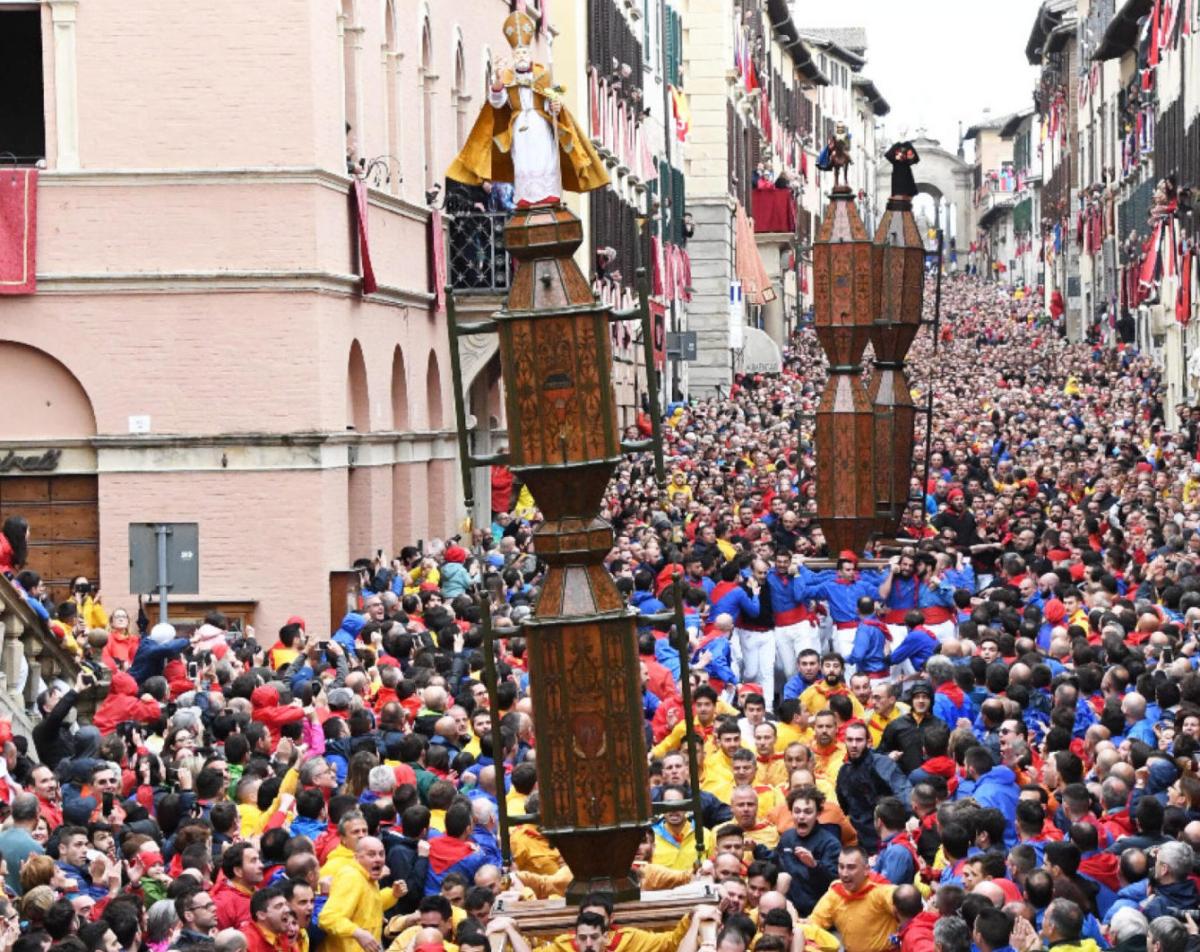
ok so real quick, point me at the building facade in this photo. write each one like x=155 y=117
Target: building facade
x=200 y=349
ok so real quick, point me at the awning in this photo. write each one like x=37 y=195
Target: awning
x=756 y=283
x=1121 y=36
x=760 y=354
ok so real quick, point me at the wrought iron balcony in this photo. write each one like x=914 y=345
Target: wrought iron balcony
x=477 y=260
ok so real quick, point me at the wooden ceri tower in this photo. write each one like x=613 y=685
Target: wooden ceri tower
x=844 y=306
x=900 y=267
x=581 y=643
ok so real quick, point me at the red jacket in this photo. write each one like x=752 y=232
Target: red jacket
x=916 y=935
x=266 y=710
x=122 y=704
x=233 y=904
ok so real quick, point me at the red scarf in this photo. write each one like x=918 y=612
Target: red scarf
x=873 y=879
x=953 y=692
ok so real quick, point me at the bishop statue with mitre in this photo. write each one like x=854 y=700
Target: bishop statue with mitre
x=524 y=133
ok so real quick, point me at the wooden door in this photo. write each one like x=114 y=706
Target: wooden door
x=64 y=523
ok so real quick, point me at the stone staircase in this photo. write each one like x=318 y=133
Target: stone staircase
x=23 y=635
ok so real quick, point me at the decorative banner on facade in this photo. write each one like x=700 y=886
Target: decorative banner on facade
x=437 y=262
x=18 y=231
x=365 y=271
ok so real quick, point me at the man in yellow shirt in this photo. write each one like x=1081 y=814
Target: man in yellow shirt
x=601 y=934
x=674 y=836
x=716 y=772
x=860 y=910
x=816 y=697
x=434 y=913
x=771 y=769
x=884 y=709
x=771 y=804
x=531 y=851
x=744 y=805
x=793 y=725
x=704 y=706
x=353 y=915
x=351 y=828
x=828 y=753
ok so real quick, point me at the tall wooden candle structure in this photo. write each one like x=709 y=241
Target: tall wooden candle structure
x=844 y=305
x=900 y=267
x=564 y=444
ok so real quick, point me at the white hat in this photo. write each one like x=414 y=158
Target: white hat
x=162 y=633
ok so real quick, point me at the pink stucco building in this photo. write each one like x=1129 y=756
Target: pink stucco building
x=198 y=347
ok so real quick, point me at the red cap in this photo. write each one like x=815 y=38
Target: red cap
x=456 y=553
x=1144 y=467
x=1054 y=611
x=148 y=859
x=955 y=493
x=297 y=620
x=847 y=556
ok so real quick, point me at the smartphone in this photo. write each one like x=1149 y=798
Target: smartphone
x=192 y=670
x=323 y=645
x=108 y=804
x=87 y=676
x=1168 y=655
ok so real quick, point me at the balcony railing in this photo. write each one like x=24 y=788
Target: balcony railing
x=478 y=261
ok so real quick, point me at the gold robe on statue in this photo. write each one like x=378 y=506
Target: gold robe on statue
x=486 y=156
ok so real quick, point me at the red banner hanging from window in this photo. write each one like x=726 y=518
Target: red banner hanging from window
x=18 y=230
x=365 y=271
x=658 y=325
x=437 y=259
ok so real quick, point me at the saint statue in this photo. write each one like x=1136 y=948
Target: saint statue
x=524 y=133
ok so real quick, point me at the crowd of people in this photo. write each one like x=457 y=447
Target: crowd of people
x=979 y=736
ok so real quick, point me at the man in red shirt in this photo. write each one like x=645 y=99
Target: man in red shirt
x=241 y=872
x=267 y=931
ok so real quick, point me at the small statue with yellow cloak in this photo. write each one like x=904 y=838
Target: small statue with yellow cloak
x=524 y=133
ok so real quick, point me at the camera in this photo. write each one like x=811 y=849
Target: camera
x=173 y=776
x=84 y=588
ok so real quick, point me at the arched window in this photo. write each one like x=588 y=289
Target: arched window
x=351 y=36
x=428 y=82
x=391 y=97
x=462 y=99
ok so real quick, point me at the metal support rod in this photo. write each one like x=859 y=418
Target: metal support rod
x=660 y=468
x=460 y=408
x=490 y=678
x=937 y=325
x=160 y=533
x=689 y=737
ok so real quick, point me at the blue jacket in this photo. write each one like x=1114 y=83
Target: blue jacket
x=949 y=711
x=795 y=686
x=454 y=580
x=736 y=602
x=998 y=788
x=895 y=862
x=646 y=604
x=917 y=647
x=151 y=658
x=870 y=647
x=841 y=597
x=448 y=854
x=721 y=665
x=808 y=885
x=347 y=633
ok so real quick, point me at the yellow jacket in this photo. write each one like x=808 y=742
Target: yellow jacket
x=716 y=776
x=876 y=723
x=674 y=740
x=355 y=902
x=773 y=772
x=816 y=697
x=94 y=615
x=788 y=734
x=864 y=920
x=674 y=853
x=627 y=940
x=827 y=763
x=338 y=859
x=653 y=876
x=531 y=851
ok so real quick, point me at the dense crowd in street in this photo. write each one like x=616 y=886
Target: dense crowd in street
x=982 y=736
